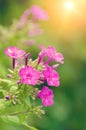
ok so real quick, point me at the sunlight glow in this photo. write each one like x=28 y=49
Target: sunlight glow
x=69 y=5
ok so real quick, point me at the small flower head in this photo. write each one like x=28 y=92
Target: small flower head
x=29 y=75
x=38 y=13
x=46 y=95
x=51 y=53
x=25 y=15
x=51 y=76
x=14 y=52
x=59 y=58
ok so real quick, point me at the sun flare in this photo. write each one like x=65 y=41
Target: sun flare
x=69 y=5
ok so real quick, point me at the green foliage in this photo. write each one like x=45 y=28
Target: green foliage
x=20 y=103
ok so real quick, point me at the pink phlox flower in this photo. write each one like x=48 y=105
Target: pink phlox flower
x=51 y=76
x=25 y=15
x=59 y=58
x=23 y=19
x=46 y=95
x=38 y=13
x=51 y=53
x=29 y=75
x=43 y=52
x=14 y=52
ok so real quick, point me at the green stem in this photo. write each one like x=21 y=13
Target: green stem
x=30 y=127
x=19 y=113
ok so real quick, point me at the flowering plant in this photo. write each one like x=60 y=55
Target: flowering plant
x=29 y=80
x=26 y=30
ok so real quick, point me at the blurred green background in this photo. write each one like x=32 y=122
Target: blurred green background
x=66 y=30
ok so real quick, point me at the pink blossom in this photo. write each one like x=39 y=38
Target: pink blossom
x=25 y=15
x=29 y=75
x=23 y=19
x=51 y=76
x=42 y=54
x=46 y=95
x=14 y=52
x=51 y=53
x=38 y=13
x=59 y=58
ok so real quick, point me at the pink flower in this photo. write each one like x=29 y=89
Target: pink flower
x=29 y=75
x=46 y=95
x=59 y=58
x=43 y=51
x=38 y=13
x=23 y=19
x=14 y=52
x=51 y=76
x=42 y=54
x=51 y=53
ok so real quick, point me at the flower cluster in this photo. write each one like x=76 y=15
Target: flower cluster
x=29 y=81
x=27 y=28
x=37 y=14
x=30 y=74
x=30 y=18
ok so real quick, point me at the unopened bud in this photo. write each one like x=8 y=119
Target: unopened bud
x=7 y=97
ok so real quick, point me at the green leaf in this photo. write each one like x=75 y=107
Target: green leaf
x=11 y=119
x=22 y=118
x=5 y=81
x=3 y=105
x=27 y=101
x=11 y=71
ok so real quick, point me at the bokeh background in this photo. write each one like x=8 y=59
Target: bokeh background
x=66 y=30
